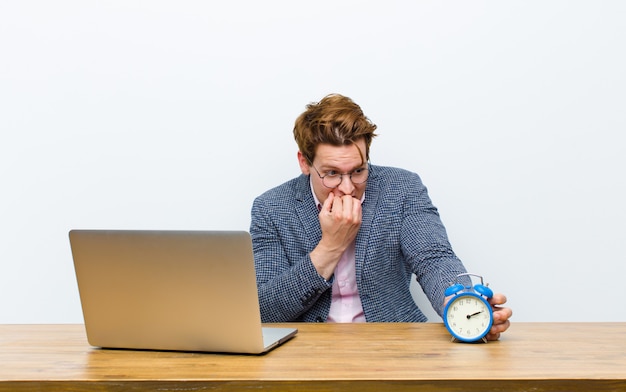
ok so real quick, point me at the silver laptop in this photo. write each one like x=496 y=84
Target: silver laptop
x=171 y=290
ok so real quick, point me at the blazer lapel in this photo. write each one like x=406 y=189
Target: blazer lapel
x=307 y=212
x=369 y=209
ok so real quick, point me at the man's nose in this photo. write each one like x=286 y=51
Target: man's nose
x=346 y=186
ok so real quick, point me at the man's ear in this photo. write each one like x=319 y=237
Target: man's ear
x=304 y=164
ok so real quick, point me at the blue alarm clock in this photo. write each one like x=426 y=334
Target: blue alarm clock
x=468 y=315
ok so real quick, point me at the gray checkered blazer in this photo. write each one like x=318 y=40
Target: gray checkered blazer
x=400 y=235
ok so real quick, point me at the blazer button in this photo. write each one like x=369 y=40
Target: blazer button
x=319 y=319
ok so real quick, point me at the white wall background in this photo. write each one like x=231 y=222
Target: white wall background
x=176 y=114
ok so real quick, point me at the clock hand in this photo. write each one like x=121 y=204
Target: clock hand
x=469 y=316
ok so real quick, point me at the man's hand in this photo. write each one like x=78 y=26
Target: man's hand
x=340 y=220
x=501 y=316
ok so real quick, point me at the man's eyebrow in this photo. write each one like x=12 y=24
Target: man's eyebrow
x=335 y=168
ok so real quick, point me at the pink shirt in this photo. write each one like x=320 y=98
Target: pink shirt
x=345 y=306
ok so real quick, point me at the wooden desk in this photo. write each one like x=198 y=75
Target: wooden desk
x=324 y=357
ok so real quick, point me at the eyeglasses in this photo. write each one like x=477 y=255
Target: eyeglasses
x=332 y=179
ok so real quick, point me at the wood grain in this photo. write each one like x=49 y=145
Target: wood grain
x=324 y=357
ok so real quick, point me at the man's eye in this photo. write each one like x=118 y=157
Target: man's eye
x=331 y=173
x=359 y=171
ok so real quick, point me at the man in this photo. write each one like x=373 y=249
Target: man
x=340 y=242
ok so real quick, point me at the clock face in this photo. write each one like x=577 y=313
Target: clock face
x=468 y=317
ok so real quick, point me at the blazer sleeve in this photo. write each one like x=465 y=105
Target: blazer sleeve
x=289 y=287
x=425 y=244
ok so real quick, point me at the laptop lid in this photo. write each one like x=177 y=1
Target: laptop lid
x=171 y=290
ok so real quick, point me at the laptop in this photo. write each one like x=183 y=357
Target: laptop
x=171 y=290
